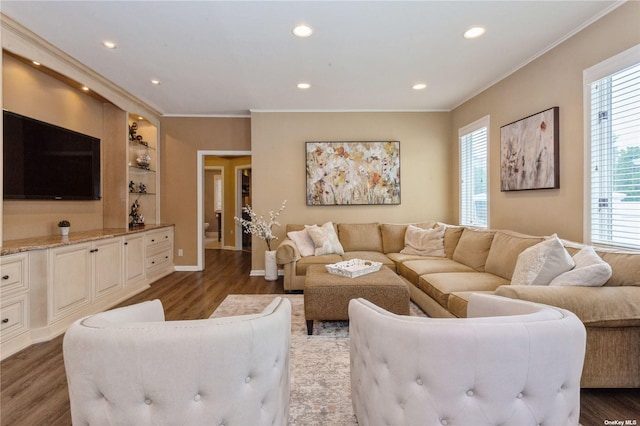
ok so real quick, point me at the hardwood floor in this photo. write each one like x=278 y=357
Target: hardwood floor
x=33 y=382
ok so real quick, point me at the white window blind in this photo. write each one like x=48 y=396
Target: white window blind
x=473 y=173
x=614 y=161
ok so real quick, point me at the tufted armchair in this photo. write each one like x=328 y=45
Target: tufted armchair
x=128 y=366
x=509 y=363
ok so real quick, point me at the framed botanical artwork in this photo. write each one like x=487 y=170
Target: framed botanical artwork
x=529 y=152
x=353 y=173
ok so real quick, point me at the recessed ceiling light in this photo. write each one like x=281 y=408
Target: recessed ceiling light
x=140 y=118
x=303 y=85
x=36 y=63
x=85 y=88
x=419 y=86
x=109 y=44
x=302 y=31
x=474 y=32
x=156 y=82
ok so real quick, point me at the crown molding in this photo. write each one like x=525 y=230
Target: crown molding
x=23 y=42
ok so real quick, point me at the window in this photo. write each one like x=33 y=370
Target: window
x=612 y=133
x=473 y=173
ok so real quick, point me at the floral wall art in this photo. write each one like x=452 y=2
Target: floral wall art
x=353 y=173
x=529 y=152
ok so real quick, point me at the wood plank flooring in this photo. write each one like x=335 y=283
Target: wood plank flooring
x=33 y=382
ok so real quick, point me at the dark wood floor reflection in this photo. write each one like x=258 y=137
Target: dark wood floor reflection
x=33 y=382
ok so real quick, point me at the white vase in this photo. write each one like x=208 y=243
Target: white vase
x=64 y=230
x=270 y=266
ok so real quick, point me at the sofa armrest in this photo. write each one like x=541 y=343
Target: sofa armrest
x=287 y=252
x=595 y=306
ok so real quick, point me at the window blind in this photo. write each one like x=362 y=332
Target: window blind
x=473 y=174
x=614 y=168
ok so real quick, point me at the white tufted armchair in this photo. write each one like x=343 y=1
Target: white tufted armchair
x=509 y=363
x=128 y=366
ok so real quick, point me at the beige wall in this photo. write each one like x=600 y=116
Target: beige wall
x=278 y=149
x=554 y=79
x=30 y=92
x=180 y=140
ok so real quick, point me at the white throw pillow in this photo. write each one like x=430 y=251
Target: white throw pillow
x=590 y=270
x=324 y=239
x=541 y=263
x=303 y=242
x=424 y=242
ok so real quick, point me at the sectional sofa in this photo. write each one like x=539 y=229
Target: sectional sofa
x=484 y=261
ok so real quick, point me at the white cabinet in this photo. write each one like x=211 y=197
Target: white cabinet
x=14 y=303
x=82 y=273
x=134 y=264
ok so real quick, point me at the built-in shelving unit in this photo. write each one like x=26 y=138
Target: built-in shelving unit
x=142 y=172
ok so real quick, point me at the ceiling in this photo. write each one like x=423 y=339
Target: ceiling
x=232 y=57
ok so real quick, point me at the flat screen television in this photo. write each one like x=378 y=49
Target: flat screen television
x=47 y=162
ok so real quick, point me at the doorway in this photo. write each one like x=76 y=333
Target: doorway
x=229 y=208
x=213 y=205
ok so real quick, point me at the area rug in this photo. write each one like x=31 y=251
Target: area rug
x=319 y=365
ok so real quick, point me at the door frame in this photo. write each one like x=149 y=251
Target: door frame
x=200 y=190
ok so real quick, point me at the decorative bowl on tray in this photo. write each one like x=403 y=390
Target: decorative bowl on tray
x=353 y=268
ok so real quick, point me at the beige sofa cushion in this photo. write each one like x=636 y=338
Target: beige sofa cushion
x=595 y=306
x=440 y=285
x=452 y=235
x=304 y=262
x=504 y=251
x=473 y=248
x=458 y=301
x=360 y=236
x=413 y=269
x=393 y=235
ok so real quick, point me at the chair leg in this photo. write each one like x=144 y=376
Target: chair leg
x=309 y=327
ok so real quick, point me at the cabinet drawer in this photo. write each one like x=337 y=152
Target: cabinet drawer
x=14 y=273
x=14 y=316
x=155 y=249
x=158 y=259
x=158 y=237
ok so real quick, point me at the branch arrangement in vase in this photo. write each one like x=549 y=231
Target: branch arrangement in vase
x=259 y=225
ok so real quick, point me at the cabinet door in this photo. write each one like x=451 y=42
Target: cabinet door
x=107 y=263
x=134 y=264
x=70 y=279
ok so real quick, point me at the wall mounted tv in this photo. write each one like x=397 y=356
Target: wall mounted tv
x=47 y=162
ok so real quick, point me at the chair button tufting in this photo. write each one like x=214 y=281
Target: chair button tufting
x=469 y=393
x=444 y=422
x=520 y=395
x=247 y=379
x=147 y=401
x=419 y=381
x=197 y=397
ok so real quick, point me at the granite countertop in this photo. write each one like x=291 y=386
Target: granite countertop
x=50 y=241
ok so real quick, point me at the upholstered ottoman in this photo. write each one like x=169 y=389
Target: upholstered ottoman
x=327 y=296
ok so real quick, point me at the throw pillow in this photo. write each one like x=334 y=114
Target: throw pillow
x=324 y=239
x=590 y=270
x=424 y=242
x=303 y=242
x=541 y=263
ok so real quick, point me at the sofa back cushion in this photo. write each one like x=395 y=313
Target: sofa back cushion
x=473 y=248
x=504 y=251
x=360 y=236
x=452 y=235
x=393 y=235
x=625 y=266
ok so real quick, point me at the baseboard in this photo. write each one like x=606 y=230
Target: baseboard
x=186 y=268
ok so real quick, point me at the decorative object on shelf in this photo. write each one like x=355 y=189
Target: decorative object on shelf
x=133 y=128
x=348 y=173
x=261 y=227
x=142 y=188
x=136 y=218
x=529 y=152
x=144 y=161
x=64 y=226
x=132 y=186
